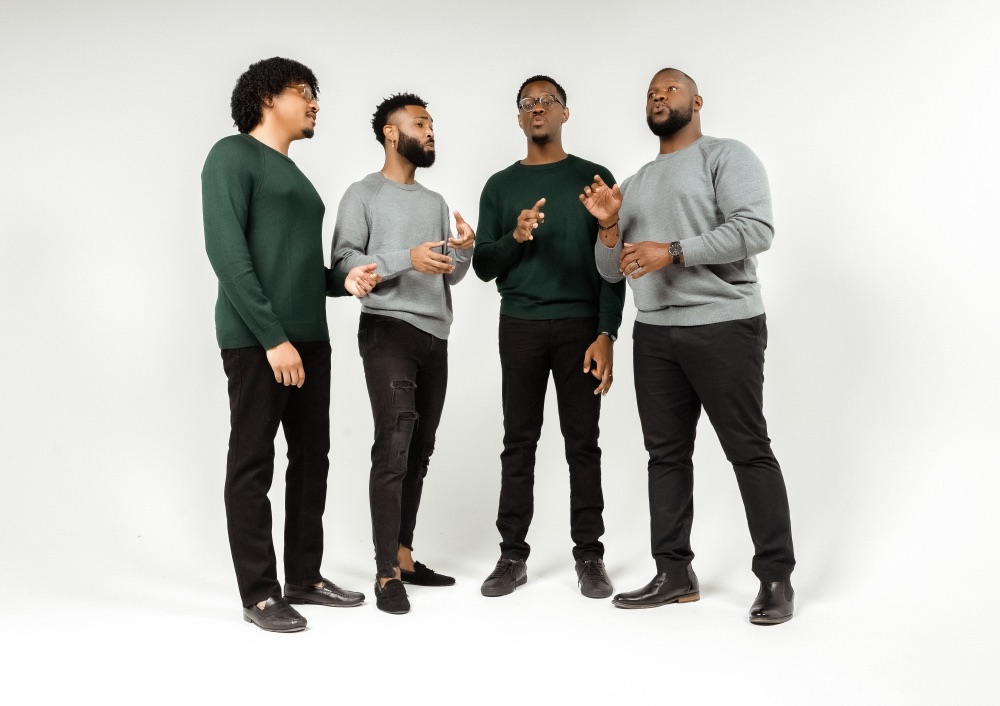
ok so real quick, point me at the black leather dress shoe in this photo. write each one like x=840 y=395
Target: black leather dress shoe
x=276 y=616
x=774 y=605
x=422 y=576
x=593 y=578
x=391 y=598
x=328 y=594
x=673 y=587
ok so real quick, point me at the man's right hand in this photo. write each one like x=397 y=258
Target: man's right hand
x=425 y=259
x=529 y=219
x=286 y=364
x=602 y=201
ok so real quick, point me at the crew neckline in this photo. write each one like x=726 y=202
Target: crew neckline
x=405 y=187
x=682 y=149
x=542 y=167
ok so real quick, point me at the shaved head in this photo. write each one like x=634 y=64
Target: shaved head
x=678 y=72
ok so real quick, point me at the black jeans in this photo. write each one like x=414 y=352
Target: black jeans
x=407 y=374
x=257 y=404
x=679 y=370
x=529 y=350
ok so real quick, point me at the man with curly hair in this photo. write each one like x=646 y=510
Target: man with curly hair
x=263 y=234
x=558 y=317
x=403 y=330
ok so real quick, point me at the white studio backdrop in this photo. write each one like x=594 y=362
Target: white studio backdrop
x=876 y=123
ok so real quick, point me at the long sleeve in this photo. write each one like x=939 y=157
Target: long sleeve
x=607 y=260
x=744 y=199
x=461 y=258
x=496 y=250
x=351 y=236
x=227 y=185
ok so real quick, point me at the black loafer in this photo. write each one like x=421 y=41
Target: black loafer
x=422 y=576
x=391 y=598
x=328 y=594
x=276 y=616
x=593 y=578
x=507 y=575
x=673 y=587
x=774 y=605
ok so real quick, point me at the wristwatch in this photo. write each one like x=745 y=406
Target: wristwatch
x=611 y=336
x=675 y=251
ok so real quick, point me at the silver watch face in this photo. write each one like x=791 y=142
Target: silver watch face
x=675 y=249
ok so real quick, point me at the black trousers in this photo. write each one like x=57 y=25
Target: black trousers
x=679 y=370
x=407 y=374
x=529 y=351
x=257 y=404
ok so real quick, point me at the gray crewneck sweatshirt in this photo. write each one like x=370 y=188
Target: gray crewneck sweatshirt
x=378 y=221
x=713 y=197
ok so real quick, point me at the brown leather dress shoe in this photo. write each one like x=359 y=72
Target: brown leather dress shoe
x=275 y=616
x=328 y=593
x=774 y=605
x=673 y=587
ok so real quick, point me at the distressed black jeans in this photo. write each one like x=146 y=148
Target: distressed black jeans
x=407 y=374
x=529 y=352
x=257 y=405
x=719 y=367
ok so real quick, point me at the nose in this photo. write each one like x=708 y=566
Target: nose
x=538 y=107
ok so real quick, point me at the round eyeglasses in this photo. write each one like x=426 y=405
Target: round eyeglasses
x=528 y=104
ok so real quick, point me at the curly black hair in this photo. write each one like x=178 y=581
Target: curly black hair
x=263 y=80
x=559 y=89
x=389 y=106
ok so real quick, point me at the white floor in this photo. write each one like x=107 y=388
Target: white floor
x=158 y=639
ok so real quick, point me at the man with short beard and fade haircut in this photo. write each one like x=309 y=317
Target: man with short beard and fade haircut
x=558 y=317
x=403 y=331
x=263 y=234
x=685 y=230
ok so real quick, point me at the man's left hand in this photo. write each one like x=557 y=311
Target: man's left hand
x=361 y=280
x=638 y=259
x=599 y=360
x=466 y=237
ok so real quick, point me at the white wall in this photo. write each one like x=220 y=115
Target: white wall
x=877 y=125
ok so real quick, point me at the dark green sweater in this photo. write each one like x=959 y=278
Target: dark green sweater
x=264 y=238
x=552 y=276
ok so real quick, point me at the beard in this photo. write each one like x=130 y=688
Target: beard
x=674 y=122
x=308 y=133
x=411 y=149
x=541 y=139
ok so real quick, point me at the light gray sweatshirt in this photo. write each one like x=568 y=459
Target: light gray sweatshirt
x=378 y=221
x=713 y=197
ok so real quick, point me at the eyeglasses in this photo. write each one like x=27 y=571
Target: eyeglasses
x=304 y=90
x=528 y=104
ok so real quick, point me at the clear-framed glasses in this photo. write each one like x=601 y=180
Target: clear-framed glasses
x=303 y=90
x=528 y=104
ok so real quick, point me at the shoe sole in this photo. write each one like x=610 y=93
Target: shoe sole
x=689 y=598
x=306 y=601
x=429 y=585
x=492 y=593
x=298 y=629
x=603 y=594
x=770 y=621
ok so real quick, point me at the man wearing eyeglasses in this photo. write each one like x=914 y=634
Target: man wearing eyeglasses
x=390 y=219
x=558 y=317
x=263 y=234
x=685 y=230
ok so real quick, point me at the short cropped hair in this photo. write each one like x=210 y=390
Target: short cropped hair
x=540 y=77
x=389 y=106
